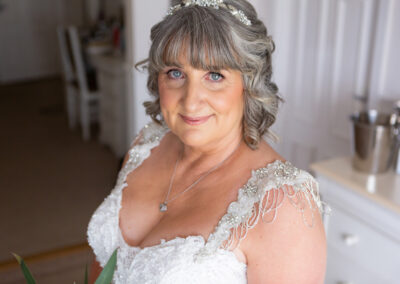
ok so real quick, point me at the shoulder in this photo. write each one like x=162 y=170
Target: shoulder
x=287 y=244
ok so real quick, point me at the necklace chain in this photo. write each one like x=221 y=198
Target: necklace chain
x=163 y=206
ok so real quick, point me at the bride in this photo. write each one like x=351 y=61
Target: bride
x=202 y=197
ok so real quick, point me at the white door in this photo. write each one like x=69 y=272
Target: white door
x=385 y=67
x=327 y=53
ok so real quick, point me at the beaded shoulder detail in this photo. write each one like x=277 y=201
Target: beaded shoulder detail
x=261 y=195
x=148 y=138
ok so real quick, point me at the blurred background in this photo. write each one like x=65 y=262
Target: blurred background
x=71 y=103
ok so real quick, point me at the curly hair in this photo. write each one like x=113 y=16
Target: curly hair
x=213 y=39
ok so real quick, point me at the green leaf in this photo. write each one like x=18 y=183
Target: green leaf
x=106 y=275
x=28 y=276
x=86 y=275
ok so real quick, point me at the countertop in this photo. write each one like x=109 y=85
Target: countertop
x=381 y=188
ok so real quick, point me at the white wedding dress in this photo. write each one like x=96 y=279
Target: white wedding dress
x=193 y=259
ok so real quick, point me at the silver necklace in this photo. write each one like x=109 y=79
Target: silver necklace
x=163 y=205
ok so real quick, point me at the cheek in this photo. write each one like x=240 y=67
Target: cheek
x=166 y=96
x=168 y=101
x=231 y=101
x=238 y=96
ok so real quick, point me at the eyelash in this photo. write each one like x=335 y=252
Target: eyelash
x=169 y=73
x=210 y=73
x=221 y=76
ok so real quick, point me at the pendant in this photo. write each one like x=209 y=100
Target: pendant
x=163 y=207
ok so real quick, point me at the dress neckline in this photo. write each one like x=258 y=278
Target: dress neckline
x=200 y=238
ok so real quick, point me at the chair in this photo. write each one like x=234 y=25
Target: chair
x=71 y=91
x=88 y=94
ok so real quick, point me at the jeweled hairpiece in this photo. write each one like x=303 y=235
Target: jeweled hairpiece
x=216 y=4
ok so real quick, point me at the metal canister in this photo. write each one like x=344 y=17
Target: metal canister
x=374 y=141
x=395 y=120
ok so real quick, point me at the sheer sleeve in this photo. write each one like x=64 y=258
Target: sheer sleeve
x=260 y=199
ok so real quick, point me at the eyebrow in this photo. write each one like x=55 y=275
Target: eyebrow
x=173 y=64
x=210 y=69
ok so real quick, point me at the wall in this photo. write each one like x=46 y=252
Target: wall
x=140 y=17
x=29 y=47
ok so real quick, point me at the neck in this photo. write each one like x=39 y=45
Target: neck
x=207 y=156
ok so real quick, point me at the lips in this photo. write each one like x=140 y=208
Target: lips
x=195 y=120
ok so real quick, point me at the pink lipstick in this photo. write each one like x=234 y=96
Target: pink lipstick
x=195 y=120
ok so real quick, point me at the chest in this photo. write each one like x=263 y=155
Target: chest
x=195 y=212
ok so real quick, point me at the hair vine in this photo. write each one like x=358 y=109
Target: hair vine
x=216 y=4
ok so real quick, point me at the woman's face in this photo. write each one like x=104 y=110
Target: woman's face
x=201 y=107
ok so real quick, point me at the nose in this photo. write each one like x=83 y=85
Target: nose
x=192 y=98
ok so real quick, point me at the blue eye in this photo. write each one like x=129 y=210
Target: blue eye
x=214 y=76
x=175 y=74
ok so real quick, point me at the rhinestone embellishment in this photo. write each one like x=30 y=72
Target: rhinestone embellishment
x=216 y=4
x=204 y=3
x=250 y=189
x=163 y=207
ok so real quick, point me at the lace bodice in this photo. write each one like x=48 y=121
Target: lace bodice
x=194 y=259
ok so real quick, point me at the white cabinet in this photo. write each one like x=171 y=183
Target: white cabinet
x=111 y=76
x=363 y=230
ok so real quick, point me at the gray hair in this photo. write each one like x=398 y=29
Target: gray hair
x=213 y=39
